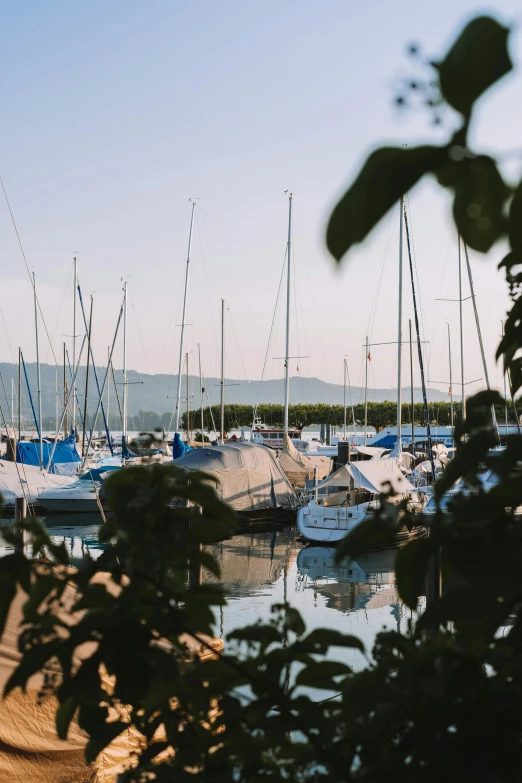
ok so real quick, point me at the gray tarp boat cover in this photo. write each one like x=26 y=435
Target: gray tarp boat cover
x=247 y=475
x=373 y=475
x=299 y=467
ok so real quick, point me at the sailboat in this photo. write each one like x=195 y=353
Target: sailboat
x=346 y=497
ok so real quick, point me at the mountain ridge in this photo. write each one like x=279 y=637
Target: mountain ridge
x=157 y=392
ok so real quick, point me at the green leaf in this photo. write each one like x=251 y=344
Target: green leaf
x=256 y=633
x=468 y=457
x=64 y=715
x=33 y=661
x=371 y=532
x=319 y=675
x=478 y=58
x=294 y=621
x=10 y=566
x=479 y=203
x=387 y=175
x=515 y=223
x=103 y=738
x=322 y=638
x=480 y=611
x=410 y=568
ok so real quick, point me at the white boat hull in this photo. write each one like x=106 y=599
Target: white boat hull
x=329 y=524
x=69 y=501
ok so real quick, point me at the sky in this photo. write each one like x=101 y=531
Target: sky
x=115 y=114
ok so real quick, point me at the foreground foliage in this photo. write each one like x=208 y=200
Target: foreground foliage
x=443 y=702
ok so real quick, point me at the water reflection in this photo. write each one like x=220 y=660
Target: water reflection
x=354 y=597
x=258 y=570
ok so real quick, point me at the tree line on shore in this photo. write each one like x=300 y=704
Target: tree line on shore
x=380 y=414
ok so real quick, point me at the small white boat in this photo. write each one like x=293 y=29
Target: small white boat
x=344 y=499
x=18 y=480
x=83 y=496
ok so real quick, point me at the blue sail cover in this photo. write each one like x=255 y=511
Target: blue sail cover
x=66 y=459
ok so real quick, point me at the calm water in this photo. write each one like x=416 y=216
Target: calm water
x=261 y=569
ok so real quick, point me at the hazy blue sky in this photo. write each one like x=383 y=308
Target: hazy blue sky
x=114 y=114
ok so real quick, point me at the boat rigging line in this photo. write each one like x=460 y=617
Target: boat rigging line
x=109 y=364
x=270 y=337
x=95 y=372
x=419 y=348
x=28 y=271
x=479 y=335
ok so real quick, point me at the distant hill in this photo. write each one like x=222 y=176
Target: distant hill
x=157 y=392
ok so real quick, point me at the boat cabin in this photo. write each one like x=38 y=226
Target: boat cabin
x=273 y=437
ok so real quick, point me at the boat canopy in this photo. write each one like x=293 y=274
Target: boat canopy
x=65 y=458
x=300 y=467
x=373 y=476
x=246 y=475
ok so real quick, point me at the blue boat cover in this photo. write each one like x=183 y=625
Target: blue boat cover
x=179 y=449
x=65 y=458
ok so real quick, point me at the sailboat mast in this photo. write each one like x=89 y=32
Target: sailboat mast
x=419 y=351
x=479 y=335
x=87 y=381
x=222 y=371
x=124 y=422
x=182 y=335
x=74 y=343
x=187 y=383
x=38 y=380
x=366 y=393
x=19 y=393
x=65 y=423
x=288 y=296
x=344 y=400
x=201 y=396
x=462 y=383
x=108 y=389
x=412 y=399
x=451 y=389
x=399 y=335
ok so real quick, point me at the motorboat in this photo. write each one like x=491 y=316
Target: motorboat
x=84 y=495
x=345 y=498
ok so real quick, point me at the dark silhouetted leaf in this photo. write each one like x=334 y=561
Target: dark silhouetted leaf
x=64 y=716
x=478 y=58
x=319 y=675
x=372 y=532
x=323 y=638
x=410 y=567
x=256 y=633
x=475 y=610
x=387 y=175
x=294 y=620
x=9 y=568
x=478 y=207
